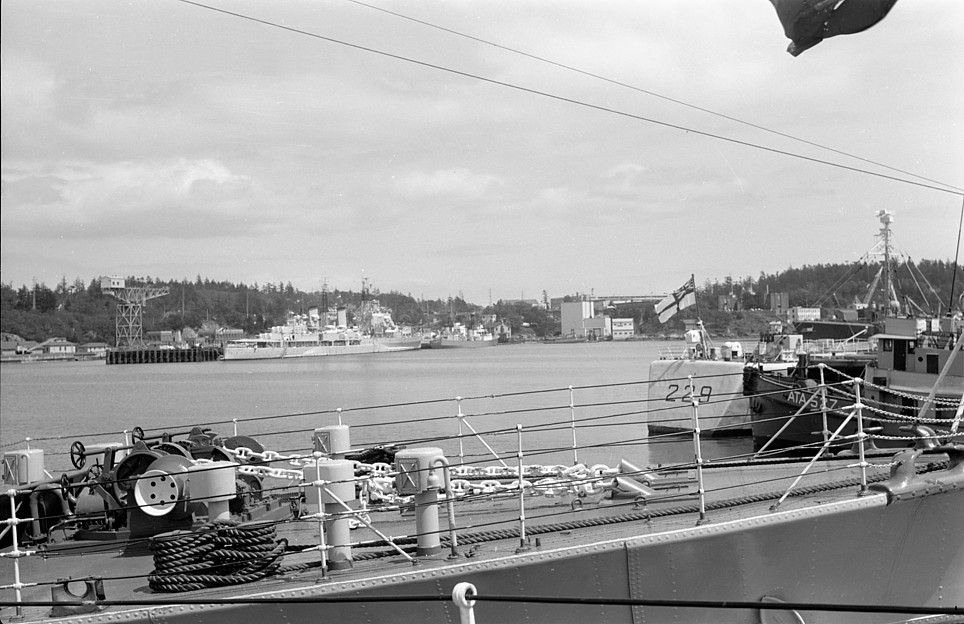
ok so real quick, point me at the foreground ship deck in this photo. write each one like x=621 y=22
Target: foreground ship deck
x=690 y=542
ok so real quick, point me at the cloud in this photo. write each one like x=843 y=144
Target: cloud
x=146 y=199
x=187 y=139
x=445 y=183
x=28 y=88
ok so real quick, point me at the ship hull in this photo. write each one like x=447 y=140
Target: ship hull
x=802 y=555
x=464 y=344
x=744 y=560
x=787 y=412
x=368 y=345
x=723 y=410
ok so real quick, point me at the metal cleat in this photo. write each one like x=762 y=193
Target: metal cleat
x=955 y=456
x=926 y=437
x=902 y=476
x=72 y=604
x=904 y=483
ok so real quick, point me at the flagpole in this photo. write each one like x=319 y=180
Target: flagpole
x=699 y=321
x=696 y=297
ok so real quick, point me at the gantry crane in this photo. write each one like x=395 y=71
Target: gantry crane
x=129 y=319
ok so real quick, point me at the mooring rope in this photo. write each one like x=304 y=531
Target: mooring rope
x=219 y=553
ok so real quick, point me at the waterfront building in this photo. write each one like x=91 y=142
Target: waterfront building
x=93 y=349
x=623 y=328
x=579 y=320
x=800 y=313
x=56 y=346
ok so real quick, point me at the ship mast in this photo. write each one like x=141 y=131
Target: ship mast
x=886 y=218
x=882 y=251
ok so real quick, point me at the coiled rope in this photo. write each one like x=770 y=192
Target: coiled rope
x=219 y=553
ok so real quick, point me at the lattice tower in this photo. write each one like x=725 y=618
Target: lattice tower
x=130 y=311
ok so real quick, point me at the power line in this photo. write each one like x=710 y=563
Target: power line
x=574 y=101
x=651 y=93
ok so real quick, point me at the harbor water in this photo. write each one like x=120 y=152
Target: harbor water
x=279 y=402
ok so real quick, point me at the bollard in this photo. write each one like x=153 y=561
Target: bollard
x=337 y=480
x=333 y=440
x=416 y=470
x=213 y=483
x=23 y=466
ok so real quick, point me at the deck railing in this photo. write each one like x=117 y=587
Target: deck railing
x=570 y=477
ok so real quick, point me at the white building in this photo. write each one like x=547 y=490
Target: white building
x=799 y=313
x=623 y=328
x=574 y=317
x=579 y=320
x=111 y=282
x=56 y=345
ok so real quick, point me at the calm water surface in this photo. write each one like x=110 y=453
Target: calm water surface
x=278 y=401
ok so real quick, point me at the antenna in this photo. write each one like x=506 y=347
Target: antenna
x=886 y=218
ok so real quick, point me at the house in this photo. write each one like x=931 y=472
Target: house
x=623 y=328
x=56 y=346
x=500 y=329
x=27 y=346
x=93 y=349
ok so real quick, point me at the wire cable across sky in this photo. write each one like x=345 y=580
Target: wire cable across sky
x=930 y=184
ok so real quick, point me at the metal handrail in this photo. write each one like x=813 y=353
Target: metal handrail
x=856 y=410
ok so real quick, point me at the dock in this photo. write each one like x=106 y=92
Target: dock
x=153 y=355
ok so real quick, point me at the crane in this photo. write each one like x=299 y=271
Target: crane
x=129 y=319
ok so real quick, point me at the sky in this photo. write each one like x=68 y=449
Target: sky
x=340 y=141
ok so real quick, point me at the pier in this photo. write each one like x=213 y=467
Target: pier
x=153 y=355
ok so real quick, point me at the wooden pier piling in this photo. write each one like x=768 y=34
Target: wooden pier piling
x=153 y=355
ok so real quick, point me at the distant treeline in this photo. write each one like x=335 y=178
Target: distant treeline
x=81 y=312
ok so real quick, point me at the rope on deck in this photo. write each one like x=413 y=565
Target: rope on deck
x=219 y=553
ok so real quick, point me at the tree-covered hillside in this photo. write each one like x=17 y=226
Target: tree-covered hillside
x=923 y=288
x=81 y=312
